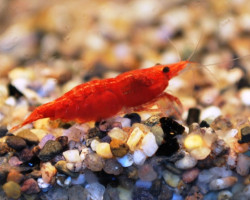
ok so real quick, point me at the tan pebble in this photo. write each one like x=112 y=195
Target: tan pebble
x=222 y=183
x=48 y=172
x=103 y=150
x=200 y=153
x=119 y=134
x=134 y=138
x=15 y=176
x=12 y=190
x=118 y=148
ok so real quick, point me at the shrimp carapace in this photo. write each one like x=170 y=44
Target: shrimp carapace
x=101 y=99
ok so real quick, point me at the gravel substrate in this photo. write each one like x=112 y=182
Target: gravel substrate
x=47 y=48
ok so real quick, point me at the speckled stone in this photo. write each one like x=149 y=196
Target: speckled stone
x=61 y=166
x=30 y=186
x=28 y=136
x=118 y=148
x=16 y=142
x=50 y=150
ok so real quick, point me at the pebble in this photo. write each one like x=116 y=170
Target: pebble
x=147 y=173
x=76 y=192
x=134 y=118
x=170 y=178
x=103 y=150
x=245 y=135
x=193 y=115
x=12 y=190
x=94 y=162
x=139 y=157
x=119 y=134
x=221 y=171
x=14 y=161
x=4 y=148
x=205 y=176
x=143 y=184
x=63 y=140
x=244 y=94
x=225 y=195
x=210 y=113
x=48 y=172
x=193 y=141
x=28 y=136
x=61 y=166
x=50 y=150
x=243 y=165
x=190 y=175
x=152 y=121
x=15 y=176
x=134 y=138
x=45 y=139
x=200 y=153
x=26 y=155
x=158 y=133
x=95 y=191
x=222 y=183
x=30 y=186
x=16 y=142
x=79 y=180
x=166 y=193
x=94 y=144
x=126 y=160
x=3 y=130
x=72 y=156
x=125 y=121
x=112 y=167
x=186 y=162
x=76 y=132
x=118 y=148
x=42 y=185
x=141 y=193
x=149 y=145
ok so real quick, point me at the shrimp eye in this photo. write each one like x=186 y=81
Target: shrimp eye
x=165 y=69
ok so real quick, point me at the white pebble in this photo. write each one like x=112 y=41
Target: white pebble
x=79 y=180
x=243 y=165
x=186 y=163
x=126 y=160
x=149 y=145
x=222 y=183
x=95 y=191
x=94 y=144
x=200 y=153
x=134 y=138
x=210 y=112
x=72 y=155
x=84 y=152
x=42 y=184
x=245 y=96
x=67 y=181
x=139 y=157
x=125 y=122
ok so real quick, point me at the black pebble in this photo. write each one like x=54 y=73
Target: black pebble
x=193 y=115
x=243 y=82
x=3 y=131
x=204 y=124
x=245 y=135
x=171 y=129
x=107 y=179
x=13 y=91
x=134 y=117
x=141 y=194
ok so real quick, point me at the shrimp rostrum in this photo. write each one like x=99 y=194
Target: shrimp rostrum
x=101 y=99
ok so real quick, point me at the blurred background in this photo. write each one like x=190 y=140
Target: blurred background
x=47 y=47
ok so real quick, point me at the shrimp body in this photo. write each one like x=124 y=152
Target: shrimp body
x=101 y=99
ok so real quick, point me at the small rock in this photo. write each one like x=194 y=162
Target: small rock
x=126 y=160
x=61 y=166
x=119 y=134
x=139 y=157
x=14 y=161
x=166 y=193
x=112 y=167
x=190 y=175
x=45 y=139
x=200 y=153
x=3 y=131
x=245 y=135
x=16 y=142
x=76 y=133
x=147 y=173
x=72 y=155
x=194 y=194
x=42 y=185
x=95 y=191
x=221 y=171
x=134 y=117
x=141 y=193
x=244 y=96
x=50 y=150
x=186 y=163
x=206 y=176
x=79 y=180
x=125 y=122
x=193 y=115
x=26 y=155
x=149 y=145
x=158 y=133
x=15 y=176
x=193 y=141
x=28 y=136
x=48 y=172
x=76 y=192
x=63 y=140
x=4 y=148
x=153 y=120
x=12 y=190
x=170 y=178
x=111 y=193
x=243 y=165
x=210 y=113
x=221 y=123
x=225 y=195
x=131 y=172
x=134 y=138
x=118 y=148
x=103 y=150
x=30 y=186
x=222 y=183
x=94 y=162
x=75 y=167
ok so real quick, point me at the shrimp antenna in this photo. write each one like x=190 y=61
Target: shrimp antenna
x=196 y=48
x=176 y=49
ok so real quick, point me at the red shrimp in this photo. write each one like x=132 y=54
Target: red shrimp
x=101 y=99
